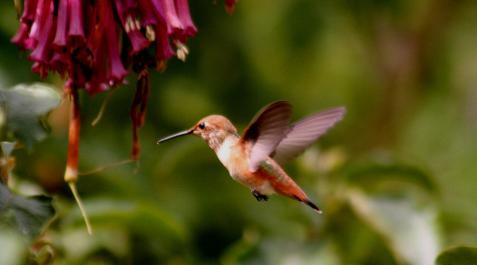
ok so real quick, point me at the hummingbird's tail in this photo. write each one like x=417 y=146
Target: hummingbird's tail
x=309 y=203
x=288 y=187
x=312 y=205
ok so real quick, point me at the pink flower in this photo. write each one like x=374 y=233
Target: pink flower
x=95 y=44
x=75 y=15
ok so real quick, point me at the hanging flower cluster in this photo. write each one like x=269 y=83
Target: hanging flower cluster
x=94 y=44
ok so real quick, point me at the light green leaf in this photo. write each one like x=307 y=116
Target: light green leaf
x=409 y=231
x=284 y=252
x=141 y=217
x=112 y=238
x=24 y=108
x=27 y=214
x=461 y=255
x=12 y=247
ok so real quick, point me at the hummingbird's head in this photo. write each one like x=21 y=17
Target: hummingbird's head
x=213 y=129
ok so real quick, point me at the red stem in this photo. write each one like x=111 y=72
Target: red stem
x=71 y=174
x=138 y=111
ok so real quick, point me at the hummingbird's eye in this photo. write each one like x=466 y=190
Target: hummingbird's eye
x=201 y=125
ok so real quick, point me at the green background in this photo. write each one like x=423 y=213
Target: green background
x=396 y=178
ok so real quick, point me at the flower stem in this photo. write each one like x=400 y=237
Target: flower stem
x=138 y=110
x=73 y=189
x=102 y=108
x=107 y=166
x=71 y=172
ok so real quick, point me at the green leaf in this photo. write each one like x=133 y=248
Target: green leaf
x=242 y=248
x=410 y=231
x=27 y=214
x=111 y=237
x=13 y=247
x=284 y=252
x=140 y=216
x=458 y=256
x=24 y=109
x=374 y=173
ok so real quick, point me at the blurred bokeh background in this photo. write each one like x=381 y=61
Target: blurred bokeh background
x=396 y=179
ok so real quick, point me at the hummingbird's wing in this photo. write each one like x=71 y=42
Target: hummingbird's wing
x=266 y=130
x=305 y=132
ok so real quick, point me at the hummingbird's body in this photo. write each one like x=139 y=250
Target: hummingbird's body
x=268 y=179
x=254 y=159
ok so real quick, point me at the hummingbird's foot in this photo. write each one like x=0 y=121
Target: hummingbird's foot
x=259 y=196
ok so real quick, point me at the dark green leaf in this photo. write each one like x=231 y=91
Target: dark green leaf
x=458 y=256
x=242 y=248
x=25 y=107
x=374 y=173
x=27 y=214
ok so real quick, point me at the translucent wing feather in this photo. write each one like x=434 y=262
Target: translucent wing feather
x=266 y=130
x=305 y=132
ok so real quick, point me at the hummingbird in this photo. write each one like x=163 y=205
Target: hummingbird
x=256 y=157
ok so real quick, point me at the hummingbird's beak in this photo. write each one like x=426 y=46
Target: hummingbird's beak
x=175 y=135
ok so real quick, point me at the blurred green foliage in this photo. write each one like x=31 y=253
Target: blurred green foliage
x=396 y=179
x=24 y=109
x=458 y=255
